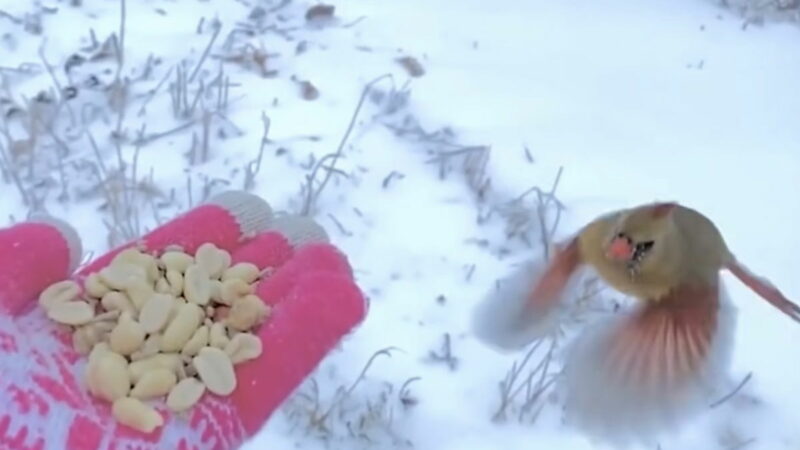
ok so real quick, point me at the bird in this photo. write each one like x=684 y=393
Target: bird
x=651 y=367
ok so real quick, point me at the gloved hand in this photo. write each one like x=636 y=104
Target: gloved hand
x=44 y=403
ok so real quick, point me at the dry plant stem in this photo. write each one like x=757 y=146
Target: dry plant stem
x=534 y=392
x=4 y=166
x=507 y=385
x=404 y=394
x=223 y=92
x=392 y=175
x=442 y=156
x=149 y=139
x=27 y=197
x=12 y=18
x=384 y=352
x=121 y=51
x=540 y=368
x=23 y=68
x=279 y=6
x=56 y=83
x=33 y=140
x=543 y=363
x=117 y=135
x=446 y=354
x=528 y=155
x=179 y=92
x=217 y=30
x=60 y=156
x=339 y=225
x=511 y=387
x=470 y=272
x=743 y=444
x=155 y=90
x=103 y=172
x=120 y=198
x=189 y=190
x=196 y=101
x=206 y=133
x=311 y=194
x=544 y=202
x=733 y=393
x=132 y=201
x=254 y=167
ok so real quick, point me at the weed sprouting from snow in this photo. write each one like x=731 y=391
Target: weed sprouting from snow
x=528 y=383
x=527 y=216
x=78 y=141
x=362 y=412
x=445 y=153
x=445 y=354
x=523 y=387
x=756 y=12
x=733 y=393
x=313 y=186
x=45 y=135
x=531 y=218
x=472 y=160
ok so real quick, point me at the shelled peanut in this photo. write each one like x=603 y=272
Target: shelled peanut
x=170 y=326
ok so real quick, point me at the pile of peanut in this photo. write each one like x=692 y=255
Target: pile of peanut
x=171 y=325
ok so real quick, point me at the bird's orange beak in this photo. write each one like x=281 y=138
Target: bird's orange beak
x=620 y=249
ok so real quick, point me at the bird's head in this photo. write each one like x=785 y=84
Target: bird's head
x=640 y=240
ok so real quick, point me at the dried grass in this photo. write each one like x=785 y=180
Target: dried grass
x=758 y=12
x=363 y=412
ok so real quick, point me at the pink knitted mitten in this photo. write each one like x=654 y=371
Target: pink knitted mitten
x=44 y=403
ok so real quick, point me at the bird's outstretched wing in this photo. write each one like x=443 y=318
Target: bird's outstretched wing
x=641 y=373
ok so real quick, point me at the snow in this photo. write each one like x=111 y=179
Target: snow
x=667 y=100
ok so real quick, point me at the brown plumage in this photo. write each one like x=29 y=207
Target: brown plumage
x=646 y=369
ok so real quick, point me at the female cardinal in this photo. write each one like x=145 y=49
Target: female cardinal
x=644 y=370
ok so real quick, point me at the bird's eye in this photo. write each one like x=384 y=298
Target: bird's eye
x=641 y=248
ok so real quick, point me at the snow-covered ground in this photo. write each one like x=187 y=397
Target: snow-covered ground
x=636 y=101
